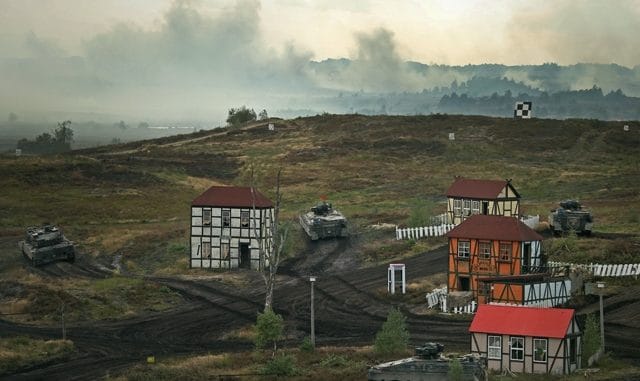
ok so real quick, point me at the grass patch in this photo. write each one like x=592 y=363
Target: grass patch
x=23 y=352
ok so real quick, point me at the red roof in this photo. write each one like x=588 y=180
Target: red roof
x=480 y=189
x=491 y=227
x=233 y=197
x=522 y=321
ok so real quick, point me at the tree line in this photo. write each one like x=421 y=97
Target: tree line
x=56 y=142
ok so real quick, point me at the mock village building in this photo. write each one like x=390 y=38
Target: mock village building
x=527 y=339
x=228 y=227
x=499 y=259
x=468 y=197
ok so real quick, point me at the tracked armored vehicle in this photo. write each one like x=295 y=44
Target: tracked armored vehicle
x=322 y=221
x=46 y=244
x=570 y=217
x=428 y=364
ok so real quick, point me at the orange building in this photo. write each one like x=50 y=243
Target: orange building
x=485 y=250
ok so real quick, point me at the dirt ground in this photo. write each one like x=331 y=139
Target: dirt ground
x=350 y=306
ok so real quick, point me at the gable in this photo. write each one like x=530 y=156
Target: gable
x=494 y=228
x=522 y=321
x=482 y=189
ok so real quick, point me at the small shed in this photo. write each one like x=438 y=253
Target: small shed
x=527 y=339
x=229 y=225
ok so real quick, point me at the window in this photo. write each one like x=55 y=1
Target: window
x=484 y=288
x=573 y=350
x=505 y=251
x=457 y=207
x=206 y=249
x=475 y=207
x=494 y=350
x=517 y=348
x=206 y=217
x=467 y=207
x=244 y=219
x=226 y=218
x=463 y=249
x=484 y=251
x=540 y=350
x=224 y=250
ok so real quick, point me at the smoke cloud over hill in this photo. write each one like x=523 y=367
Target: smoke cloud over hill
x=195 y=65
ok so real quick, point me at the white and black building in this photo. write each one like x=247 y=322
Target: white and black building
x=229 y=226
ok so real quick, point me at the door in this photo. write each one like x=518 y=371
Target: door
x=245 y=256
x=485 y=207
x=526 y=258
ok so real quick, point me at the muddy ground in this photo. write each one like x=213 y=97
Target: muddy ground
x=350 y=308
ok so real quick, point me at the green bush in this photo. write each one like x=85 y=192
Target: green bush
x=455 y=370
x=334 y=361
x=393 y=337
x=269 y=327
x=306 y=345
x=283 y=365
x=591 y=338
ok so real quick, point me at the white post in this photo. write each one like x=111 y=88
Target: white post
x=313 y=323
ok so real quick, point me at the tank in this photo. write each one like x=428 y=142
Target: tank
x=322 y=221
x=570 y=217
x=46 y=244
x=428 y=364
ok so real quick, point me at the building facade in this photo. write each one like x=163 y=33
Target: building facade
x=468 y=197
x=489 y=247
x=527 y=339
x=231 y=227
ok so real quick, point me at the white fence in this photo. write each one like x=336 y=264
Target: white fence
x=424 y=231
x=613 y=270
x=433 y=298
x=531 y=221
x=468 y=309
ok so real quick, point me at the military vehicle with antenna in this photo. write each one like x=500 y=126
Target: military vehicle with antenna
x=322 y=221
x=570 y=217
x=44 y=244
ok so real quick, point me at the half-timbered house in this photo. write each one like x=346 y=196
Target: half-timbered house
x=483 y=246
x=527 y=339
x=468 y=197
x=229 y=225
x=499 y=259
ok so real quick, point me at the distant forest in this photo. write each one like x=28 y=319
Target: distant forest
x=593 y=91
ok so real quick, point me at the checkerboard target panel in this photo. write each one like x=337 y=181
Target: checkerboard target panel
x=523 y=110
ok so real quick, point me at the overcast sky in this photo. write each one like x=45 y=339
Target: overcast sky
x=430 y=31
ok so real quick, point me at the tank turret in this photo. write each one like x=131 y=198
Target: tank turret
x=322 y=221
x=570 y=216
x=44 y=244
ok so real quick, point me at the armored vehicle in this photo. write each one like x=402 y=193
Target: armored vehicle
x=428 y=364
x=46 y=244
x=570 y=217
x=322 y=221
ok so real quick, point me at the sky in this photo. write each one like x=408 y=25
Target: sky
x=197 y=58
x=429 y=31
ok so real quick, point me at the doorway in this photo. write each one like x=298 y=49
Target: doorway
x=245 y=256
x=526 y=258
x=485 y=207
x=464 y=284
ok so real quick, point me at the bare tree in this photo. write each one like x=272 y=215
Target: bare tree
x=272 y=242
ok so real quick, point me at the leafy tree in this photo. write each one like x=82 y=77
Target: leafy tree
x=393 y=337
x=238 y=116
x=591 y=337
x=269 y=327
x=455 y=370
x=421 y=213
x=263 y=115
x=64 y=135
x=121 y=125
x=46 y=143
x=143 y=125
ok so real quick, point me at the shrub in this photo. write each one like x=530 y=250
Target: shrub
x=306 y=345
x=455 y=370
x=393 y=337
x=591 y=338
x=269 y=327
x=283 y=365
